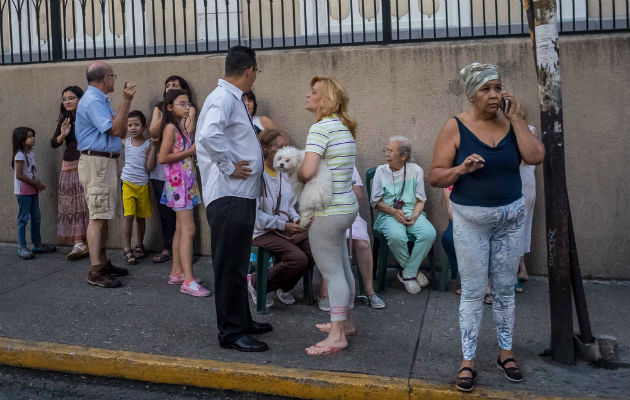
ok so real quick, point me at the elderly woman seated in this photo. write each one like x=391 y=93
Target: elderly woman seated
x=398 y=195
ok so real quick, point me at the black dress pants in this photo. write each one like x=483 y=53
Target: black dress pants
x=231 y=222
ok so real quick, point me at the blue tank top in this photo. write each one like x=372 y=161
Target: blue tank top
x=498 y=183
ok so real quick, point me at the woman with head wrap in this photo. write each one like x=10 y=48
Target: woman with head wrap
x=479 y=153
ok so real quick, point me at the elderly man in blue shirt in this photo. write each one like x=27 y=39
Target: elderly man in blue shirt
x=99 y=131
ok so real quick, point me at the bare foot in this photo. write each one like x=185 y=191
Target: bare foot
x=348 y=330
x=327 y=346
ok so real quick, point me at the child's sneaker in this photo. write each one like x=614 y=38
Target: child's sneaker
x=252 y=292
x=194 y=289
x=285 y=297
x=25 y=254
x=44 y=248
x=179 y=279
x=323 y=303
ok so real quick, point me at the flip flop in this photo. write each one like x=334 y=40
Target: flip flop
x=326 y=328
x=160 y=258
x=316 y=350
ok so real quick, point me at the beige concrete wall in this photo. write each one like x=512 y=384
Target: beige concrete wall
x=395 y=90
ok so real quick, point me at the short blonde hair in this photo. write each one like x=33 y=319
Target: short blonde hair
x=335 y=101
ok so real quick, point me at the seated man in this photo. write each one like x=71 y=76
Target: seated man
x=398 y=193
x=276 y=228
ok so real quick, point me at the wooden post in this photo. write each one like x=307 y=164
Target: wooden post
x=544 y=35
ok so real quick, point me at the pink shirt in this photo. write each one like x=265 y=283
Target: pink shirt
x=23 y=188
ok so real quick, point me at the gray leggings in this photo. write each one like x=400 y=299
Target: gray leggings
x=327 y=237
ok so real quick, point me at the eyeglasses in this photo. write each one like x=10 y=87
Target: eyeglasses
x=64 y=99
x=112 y=75
x=183 y=104
x=388 y=151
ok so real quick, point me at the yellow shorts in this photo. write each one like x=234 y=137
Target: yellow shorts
x=136 y=200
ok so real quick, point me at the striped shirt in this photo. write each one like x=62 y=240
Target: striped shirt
x=332 y=140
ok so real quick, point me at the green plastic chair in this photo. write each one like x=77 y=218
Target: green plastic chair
x=380 y=249
x=262 y=266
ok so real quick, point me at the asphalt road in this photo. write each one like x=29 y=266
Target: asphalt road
x=28 y=384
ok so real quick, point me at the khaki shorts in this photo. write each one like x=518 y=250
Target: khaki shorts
x=99 y=178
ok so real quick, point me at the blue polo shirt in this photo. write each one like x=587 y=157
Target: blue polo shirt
x=94 y=118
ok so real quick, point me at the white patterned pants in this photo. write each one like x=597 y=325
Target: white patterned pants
x=487 y=243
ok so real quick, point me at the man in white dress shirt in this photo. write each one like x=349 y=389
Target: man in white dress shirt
x=231 y=165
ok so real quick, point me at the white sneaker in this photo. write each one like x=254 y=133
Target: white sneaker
x=252 y=292
x=323 y=303
x=375 y=301
x=285 y=297
x=411 y=285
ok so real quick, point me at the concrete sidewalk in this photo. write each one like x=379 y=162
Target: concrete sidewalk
x=147 y=330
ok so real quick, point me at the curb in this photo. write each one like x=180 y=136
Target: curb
x=273 y=380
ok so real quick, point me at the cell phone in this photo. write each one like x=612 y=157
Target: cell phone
x=506 y=106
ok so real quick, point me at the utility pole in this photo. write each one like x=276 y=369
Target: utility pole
x=541 y=15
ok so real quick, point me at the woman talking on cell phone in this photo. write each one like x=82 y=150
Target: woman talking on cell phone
x=479 y=153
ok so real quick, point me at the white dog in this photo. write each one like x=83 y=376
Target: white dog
x=313 y=196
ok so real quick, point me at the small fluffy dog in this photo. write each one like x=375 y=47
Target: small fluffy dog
x=313 y=196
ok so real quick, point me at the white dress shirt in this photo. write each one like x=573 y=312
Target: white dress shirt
x=225 y=135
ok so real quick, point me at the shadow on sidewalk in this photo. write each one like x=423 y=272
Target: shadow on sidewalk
x=47 y=299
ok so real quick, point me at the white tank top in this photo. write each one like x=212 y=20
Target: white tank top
x=257 y=123
x=134 y=170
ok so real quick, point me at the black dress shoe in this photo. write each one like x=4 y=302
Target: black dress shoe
x=258 y=328
x=246 y=343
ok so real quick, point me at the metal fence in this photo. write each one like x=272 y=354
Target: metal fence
x=34 y=31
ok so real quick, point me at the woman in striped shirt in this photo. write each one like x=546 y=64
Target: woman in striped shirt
x=331 y=140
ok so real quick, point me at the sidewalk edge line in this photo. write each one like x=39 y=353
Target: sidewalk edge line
x=244 y=377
